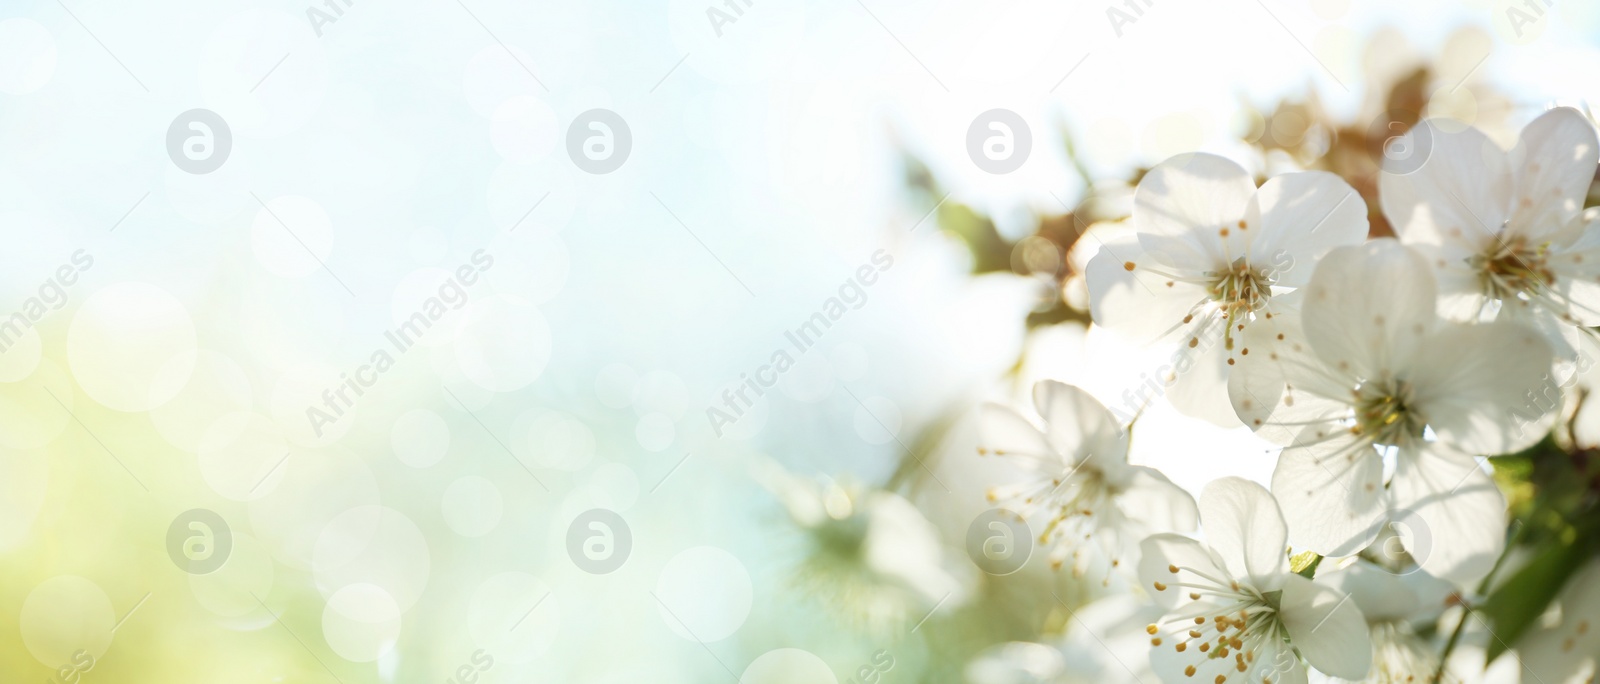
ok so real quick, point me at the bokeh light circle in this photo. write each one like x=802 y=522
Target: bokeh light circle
x=503 y=345
x=120 y=343
x=655 y=431
x=471 y=506
x=554 y=439
x=420 y=438
x=63 y=615
x=231 y=590
x=616 y=385
x=515 y=616
x=361 y=622
x=316 y=486
x=704 y=594
x=241 y=456
x=788 y=666
x=373 y=545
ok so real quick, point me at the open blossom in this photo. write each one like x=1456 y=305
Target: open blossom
x=1213 y=256
x=1374 y=373
x=1235 y=611
x=871 y=554
x=1396 y=606
x=1076 y=478
x=1506 y=233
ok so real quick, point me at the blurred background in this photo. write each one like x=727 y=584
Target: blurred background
x=467 y=340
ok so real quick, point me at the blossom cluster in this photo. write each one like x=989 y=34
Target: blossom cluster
x=1386 y=369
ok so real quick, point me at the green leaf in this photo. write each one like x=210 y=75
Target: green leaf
x=1517 y=604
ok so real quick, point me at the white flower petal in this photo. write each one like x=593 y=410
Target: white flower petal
x=1159 y=553
x=1282 y=385
x=1381 y=595
x=1476 y=383
x=1327 y=628
x=1461 y=295
x=1004 y=431
x=1552 y=164
x=902 y=544
x=1562 y=336
x=1577 y=270
x=1201 y=389
x=1459 y=510
x=1138 y=304
x=1461 y=194
x=1368 y=308
x=1242 y=522
x=1336 y=484
x=1187 y=210
x=1298 y=217
x=1153 y=501
x=1079 y=427
x=1568 y=650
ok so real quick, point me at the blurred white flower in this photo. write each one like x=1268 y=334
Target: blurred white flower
x=1019 y=662
x=871 y=554
x=1235 y=611
x=1565 y=648
x=1395 y=606
x=1104 y=643
x=1213 y=255
x=1374 y=373
x=1076 y=478
x=1506 y=233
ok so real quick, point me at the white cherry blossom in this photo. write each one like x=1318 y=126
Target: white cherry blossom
x=1075 y=479
x=1506 y=233
x=1396 y=606
x=1213 y=256
x=1235 y=611
x=1381 y=406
